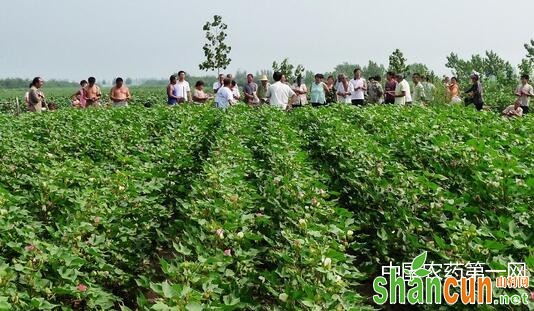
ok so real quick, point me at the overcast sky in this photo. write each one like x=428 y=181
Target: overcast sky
x=73 y=39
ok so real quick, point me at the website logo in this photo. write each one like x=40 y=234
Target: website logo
x=418 y=282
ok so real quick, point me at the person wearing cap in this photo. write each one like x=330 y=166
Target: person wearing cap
x=524 y=92
x=251 y=90
x=262 y=89
x=474 y=93
x=280 y=94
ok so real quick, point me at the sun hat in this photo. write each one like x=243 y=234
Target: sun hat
x=264 y=78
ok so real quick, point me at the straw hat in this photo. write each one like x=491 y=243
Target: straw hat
x=264 y=78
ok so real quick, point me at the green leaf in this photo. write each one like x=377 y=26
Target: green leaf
x=230 y=300
x=440 y=242
x=308 y=303
x=494 y=245
x=419 y=261
x=422 y=273
x=4 y=304
x=168 y=291
x=194 y=306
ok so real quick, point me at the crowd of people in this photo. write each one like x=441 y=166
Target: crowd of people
x=88 y=95
x=474 y=95
x=357 y=91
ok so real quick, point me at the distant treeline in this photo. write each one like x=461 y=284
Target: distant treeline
x=18 y=83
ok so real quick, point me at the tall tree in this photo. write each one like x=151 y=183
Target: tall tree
x=527 y=64
x=490 y=66
x=373 y=69
x=530 y=50
x=397 y=62
x=345 y=68
x=288 y=70
x=216 y=50
x=418 y=68
x=526 y=67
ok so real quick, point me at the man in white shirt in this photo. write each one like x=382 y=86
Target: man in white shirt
x=280 y=94
x=183 y=90
x=524 y=92
x=217 y=85
x=400 y=90
x=360 y=87
x=225 y=97
x=409 y=99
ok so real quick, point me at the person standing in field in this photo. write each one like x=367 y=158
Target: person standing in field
x=235 y=91
x=263 y=88
x=280 y=95
x=475 y=93
x=217 y=85
x=251 y=90
x=430 y=89
x=376 y=92
x=360 y=87
x=339 y=78
x=36 y=97
x=453 y=91
x=199 y=96
x=390 y=87
x=302 y=92
x=93 y=93
x=183 y=88
x=225 y=97
x=400 y=90
x=119 y=94
x=331 y=94
x=419 y=96
x=345 y=90
x=172 y=92
x=524 y=92
x=79 y=99
x=318 y=91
